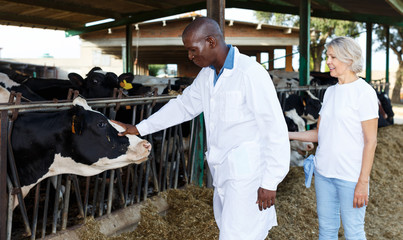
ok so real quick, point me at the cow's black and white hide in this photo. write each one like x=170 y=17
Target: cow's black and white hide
x=284 y=79
x=307 y=106
x=298 y=112
x=4 y=95
x=10 y=85
x=299 y=149
x=322 y=78
x=96 y=84
x=77 y=141
x=47 y=88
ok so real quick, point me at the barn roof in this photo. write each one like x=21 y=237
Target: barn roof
x=73 y=15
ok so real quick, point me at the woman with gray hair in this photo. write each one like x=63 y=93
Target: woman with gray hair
x=346 y=134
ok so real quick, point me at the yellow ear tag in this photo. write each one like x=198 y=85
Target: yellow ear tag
x=126 y=85
x=73 y=130
x=304 y=103
x=122 y=84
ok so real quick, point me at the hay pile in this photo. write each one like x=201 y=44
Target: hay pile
x=191 y=215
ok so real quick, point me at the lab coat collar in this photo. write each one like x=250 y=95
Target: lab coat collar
x=225 y=74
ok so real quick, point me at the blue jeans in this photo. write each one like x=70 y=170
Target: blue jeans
x=334 y=197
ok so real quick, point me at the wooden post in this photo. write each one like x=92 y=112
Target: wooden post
x=216 y=11
x=271 y=57
x=258 y=58
x=288 y=59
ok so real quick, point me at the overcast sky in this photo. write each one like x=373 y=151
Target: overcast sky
x=22 y=42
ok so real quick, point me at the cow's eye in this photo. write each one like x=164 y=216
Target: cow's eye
x=101 y=124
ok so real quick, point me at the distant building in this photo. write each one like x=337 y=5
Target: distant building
x=160 y=42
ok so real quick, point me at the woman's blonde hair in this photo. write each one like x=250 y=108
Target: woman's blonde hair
x=348 y=51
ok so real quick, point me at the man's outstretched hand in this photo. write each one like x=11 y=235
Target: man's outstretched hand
x=128 y=128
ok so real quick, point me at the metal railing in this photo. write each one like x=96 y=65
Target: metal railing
x=169 y=166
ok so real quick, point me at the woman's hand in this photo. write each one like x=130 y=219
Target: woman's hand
x=360 y=195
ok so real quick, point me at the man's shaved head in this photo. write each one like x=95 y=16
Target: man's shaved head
x=205 y=43
x=203 y=27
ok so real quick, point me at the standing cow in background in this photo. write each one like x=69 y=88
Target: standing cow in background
x=77 y=141
x=9 y=85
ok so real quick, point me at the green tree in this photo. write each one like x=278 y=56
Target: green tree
x=396 y=44
x=155 y=69
x=321 y=30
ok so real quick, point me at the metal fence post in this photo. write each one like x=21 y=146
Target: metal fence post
x=3 y=174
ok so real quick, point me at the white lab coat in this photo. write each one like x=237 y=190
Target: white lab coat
x=247 y=141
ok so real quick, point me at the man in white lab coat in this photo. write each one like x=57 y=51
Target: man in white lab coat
x=248 y=149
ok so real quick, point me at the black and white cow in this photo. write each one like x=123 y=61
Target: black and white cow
x=307 y=106
x=46 y=88
x=96 y=84
x=10 y=85
x=77 y=141
x=298 y=148
x=298 y=112
x=322 y=78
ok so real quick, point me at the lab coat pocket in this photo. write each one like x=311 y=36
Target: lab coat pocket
x=231 y=106
x=244 y=160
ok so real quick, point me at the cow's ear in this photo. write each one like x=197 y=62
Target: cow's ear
x=111 y=80
x=76 y=79
x=128 y=77
x=125 y=80
x=76 y=121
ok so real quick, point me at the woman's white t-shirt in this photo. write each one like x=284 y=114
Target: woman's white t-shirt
x=340 y=136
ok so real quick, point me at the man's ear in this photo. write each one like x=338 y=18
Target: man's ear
x=212 y=42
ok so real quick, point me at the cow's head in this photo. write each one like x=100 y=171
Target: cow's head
x=95 y=140
x=97 y=84
x=312 y=106
x=299 y=149
x=77 y=141
x=132 y=88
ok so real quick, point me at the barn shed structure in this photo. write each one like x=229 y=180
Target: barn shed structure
x=122 y=18
x=160 y=42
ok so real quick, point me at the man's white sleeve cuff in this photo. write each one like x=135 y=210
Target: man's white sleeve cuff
x=271 y=187
x=142 y=127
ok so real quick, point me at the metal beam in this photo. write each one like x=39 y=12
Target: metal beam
x=397 y=5
x=331 y=5
x=262 y=6
x=393 y=21
x=387 y=59
x=37 y=21
x=267 y=7
x=137 y=17
x=304 y=41
x=368 y=67
x=71 y=7
x=3 y=174
x=152 y=3
x=129 y=52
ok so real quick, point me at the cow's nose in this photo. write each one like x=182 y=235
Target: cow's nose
x=309 y=147
x=147 y=145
